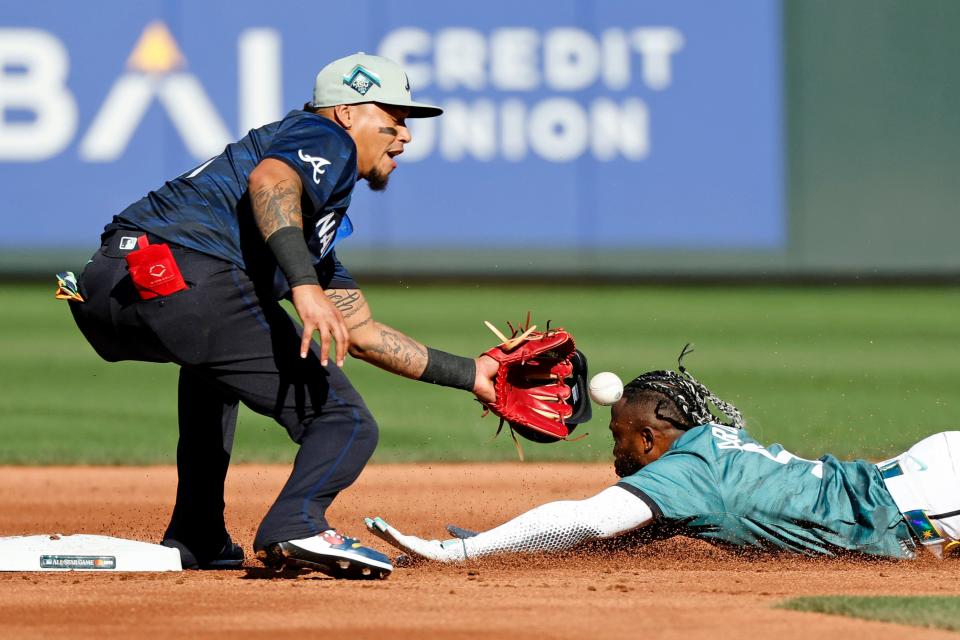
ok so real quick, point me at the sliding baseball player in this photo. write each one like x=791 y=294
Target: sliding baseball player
x=685 y=471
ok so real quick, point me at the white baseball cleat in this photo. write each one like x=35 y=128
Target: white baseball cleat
x=331 y=553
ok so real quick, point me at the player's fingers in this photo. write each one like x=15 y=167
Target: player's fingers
x=305 y=342
x=305 y=339
x=326 y=337
x=343 y=341
x=378 y=527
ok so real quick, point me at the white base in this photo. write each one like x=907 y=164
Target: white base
x=84 y=553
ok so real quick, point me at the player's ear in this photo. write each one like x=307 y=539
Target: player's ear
x=648 y=439
x=343 y=114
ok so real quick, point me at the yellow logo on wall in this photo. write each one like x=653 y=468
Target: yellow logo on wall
x=156 y=51
x=154 y=73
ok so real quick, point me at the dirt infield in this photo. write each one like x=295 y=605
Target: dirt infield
x=673 y=589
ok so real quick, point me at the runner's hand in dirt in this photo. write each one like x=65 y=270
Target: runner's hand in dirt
x=436 y=550
x=318 y=314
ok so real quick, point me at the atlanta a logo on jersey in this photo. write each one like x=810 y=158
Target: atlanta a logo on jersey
x=319 y=164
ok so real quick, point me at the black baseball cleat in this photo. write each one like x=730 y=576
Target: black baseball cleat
x=331 y=553
x=230 y=557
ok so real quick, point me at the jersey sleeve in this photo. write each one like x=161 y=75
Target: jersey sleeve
x=324 y=159
x=557 y=526
x=333 y=275
x=678 y=486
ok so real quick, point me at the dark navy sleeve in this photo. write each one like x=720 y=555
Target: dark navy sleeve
x=333 y=275
x=323 y=156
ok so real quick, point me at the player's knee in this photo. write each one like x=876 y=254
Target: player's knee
x=368 y=432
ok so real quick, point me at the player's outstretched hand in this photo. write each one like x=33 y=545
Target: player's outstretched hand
x=318 y=314
x=439 y=551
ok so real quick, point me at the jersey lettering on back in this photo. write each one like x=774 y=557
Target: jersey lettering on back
x=729 y=438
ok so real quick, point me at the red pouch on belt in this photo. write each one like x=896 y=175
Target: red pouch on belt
x=154 y=271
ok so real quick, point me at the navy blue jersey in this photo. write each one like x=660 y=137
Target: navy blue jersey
x=208 y=208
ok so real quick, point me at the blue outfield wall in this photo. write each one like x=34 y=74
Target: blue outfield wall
x=631 y=137
x=626 y=125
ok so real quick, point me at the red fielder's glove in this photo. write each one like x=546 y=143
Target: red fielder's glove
x=540 y=384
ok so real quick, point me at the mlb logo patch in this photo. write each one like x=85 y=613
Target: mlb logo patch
x=360 y=79
x=127 y=243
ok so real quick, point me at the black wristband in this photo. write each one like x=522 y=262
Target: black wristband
x=293 y=256
x=449 y=370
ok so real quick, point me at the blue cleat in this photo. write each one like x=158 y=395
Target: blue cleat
x=331 y=553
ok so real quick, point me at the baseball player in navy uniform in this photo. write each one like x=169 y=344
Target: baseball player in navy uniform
x=193 y=273
x=684 y=471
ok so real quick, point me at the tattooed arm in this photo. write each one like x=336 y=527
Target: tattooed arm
x=375 y=342
x=390 y=349
x=275 y=191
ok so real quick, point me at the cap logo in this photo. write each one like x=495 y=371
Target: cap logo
x=361 y=79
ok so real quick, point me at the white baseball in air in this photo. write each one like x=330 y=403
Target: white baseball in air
x=605 y=388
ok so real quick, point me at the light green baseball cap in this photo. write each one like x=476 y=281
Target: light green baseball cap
x=366 y=78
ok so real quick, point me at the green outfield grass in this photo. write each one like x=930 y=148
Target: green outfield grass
x=938 y=612
x=851 y=371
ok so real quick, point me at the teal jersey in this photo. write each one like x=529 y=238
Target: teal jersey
x=718 y=484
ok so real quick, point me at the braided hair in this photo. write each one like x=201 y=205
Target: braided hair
x=690 y=399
